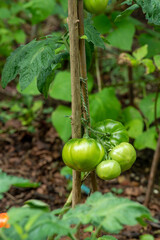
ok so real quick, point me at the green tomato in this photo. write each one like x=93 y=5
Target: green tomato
x=95 y=6
x=124 y=154
x=108 y=169
x=83 y=154
x=115 y=133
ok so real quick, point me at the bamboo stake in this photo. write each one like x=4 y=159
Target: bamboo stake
x=152 y=173
x=156 y=156
x=83 y=71
x=75 y=88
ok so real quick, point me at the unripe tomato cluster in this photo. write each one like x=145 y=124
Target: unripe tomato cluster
x=108 y=152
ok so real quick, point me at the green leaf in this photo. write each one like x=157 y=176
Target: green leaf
x=40 y=9
x=89 y=53
x=141 y=52
x=34 y=60
x=109 y=211
x=61 y=87
x=38 y=56
x=102 y=23
x=92 y=34
x=37 y=105
x=62 y=122
x=30 y=90
x=130 y=113
x=7 y=181
x=135 y=128
x=89 y=229
x=107 y=238
x=66 y=171
x=151 y=9
x=104 y=105
x=20 y=36
x=11 y=69
x=64 y=4
x=126 y=12
x=148 y=63
x=122 y=36
x=153 y=43
x=4 y=13
x=90 y=82
x=147 y=139
x=128 y=2
x=157 y=61
x=146 y=237
x=34 y=203
x=16 y=21
x=147 y=106
x=46 y=76
x=35 y=223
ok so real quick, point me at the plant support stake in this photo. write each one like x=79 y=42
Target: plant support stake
x=75 y=89
x=156 y=157
x=83 y=72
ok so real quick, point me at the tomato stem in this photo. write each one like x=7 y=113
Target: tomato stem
x=94 y=236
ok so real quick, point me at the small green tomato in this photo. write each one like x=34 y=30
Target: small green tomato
x=124 y=154
x=108 y=169
x=95 y=6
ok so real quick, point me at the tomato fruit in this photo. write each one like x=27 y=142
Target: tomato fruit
x=124 y=154
x=3 y=220
x=82 y=154
x=114 y=130
x=95 y=6
x=108 y=169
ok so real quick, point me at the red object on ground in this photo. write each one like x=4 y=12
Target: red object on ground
x=3 y=220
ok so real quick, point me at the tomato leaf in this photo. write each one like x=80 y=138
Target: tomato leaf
x=7 y=181
x=126 y=12
x=157 y=61
x=102 y=23
x=133 y=121
x=61 y=87
x=107 y=238
x=104 y=105
x=61 y=121
x=37 y=60
x=108 y=211
x=92 y=34
x=39 y=9
x=147 y=139
x=122 y=36
x=141 y=52
x=151 y=9
x=147 y=106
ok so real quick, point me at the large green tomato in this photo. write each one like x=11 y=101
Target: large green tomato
x=108 y=169
x=124 y=154
x=83 y=154
x=115 y=133
x=95 y=6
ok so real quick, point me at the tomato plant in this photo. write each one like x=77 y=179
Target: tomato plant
x=113 y=132
x=95 y=6
x=82 y=154
x=108 y=169
x=124 y=154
